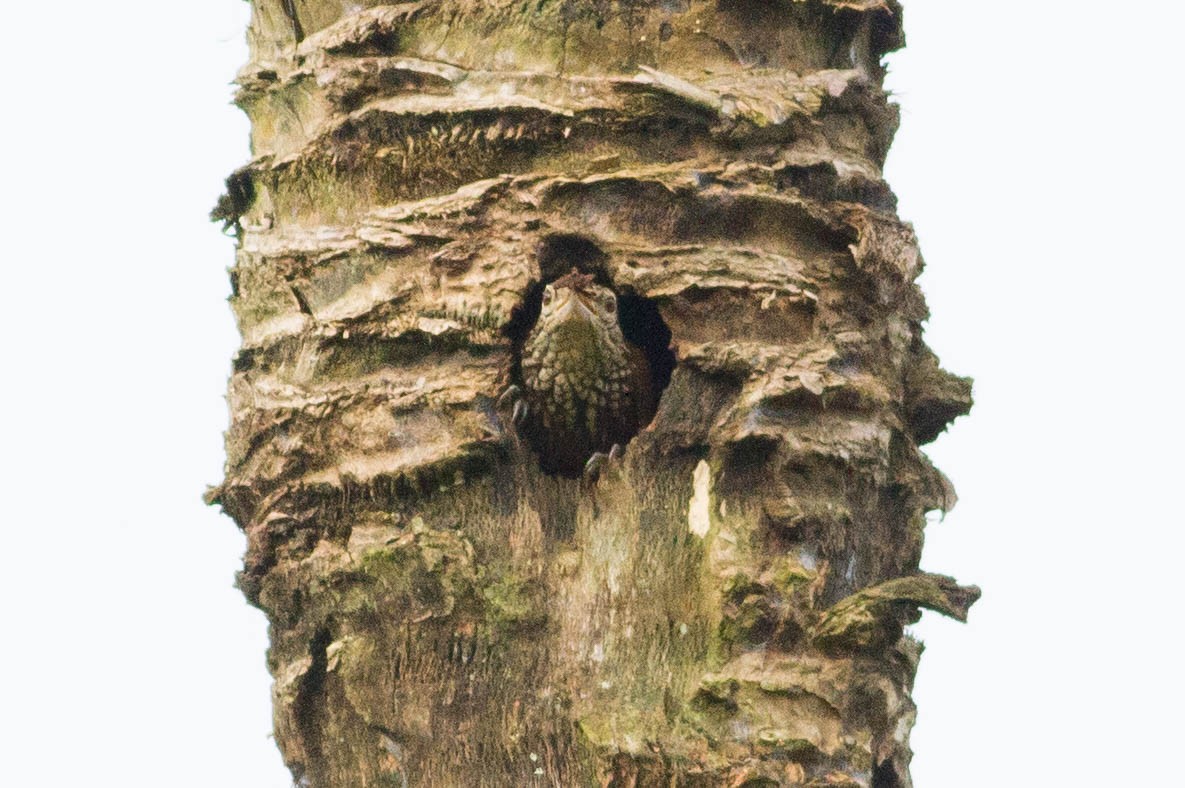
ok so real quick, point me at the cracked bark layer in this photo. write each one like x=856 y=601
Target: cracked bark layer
x=727 y=606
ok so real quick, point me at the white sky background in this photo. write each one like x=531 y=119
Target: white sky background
x=1038 y=163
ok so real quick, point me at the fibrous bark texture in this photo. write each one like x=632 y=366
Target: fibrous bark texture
x=726 y=604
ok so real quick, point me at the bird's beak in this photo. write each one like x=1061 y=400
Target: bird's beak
x=572 y=306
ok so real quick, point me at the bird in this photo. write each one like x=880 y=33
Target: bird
x=586 y=390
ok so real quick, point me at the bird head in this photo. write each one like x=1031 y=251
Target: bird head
x=578 y=318
x=576 y=297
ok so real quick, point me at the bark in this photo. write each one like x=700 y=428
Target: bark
x=726 y=605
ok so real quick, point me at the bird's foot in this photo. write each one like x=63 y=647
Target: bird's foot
x=512 y=409
x=511 y=401
x=599 y=462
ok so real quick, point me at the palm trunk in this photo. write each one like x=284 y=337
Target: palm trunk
x=726 y=605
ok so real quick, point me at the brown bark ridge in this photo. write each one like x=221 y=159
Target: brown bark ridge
x=726 y=605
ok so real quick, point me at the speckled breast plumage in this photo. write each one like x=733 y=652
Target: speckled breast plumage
x=577 y=379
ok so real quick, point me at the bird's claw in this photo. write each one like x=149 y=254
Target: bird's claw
x=512 y=409
x=599 y=461
x=512 y=394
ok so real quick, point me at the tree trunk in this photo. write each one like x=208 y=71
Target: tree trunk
x=725 y=604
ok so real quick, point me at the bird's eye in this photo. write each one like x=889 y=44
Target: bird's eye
x=547 y=294
x=610 y=303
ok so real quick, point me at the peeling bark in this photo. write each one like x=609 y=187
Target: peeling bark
x=726 y=606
